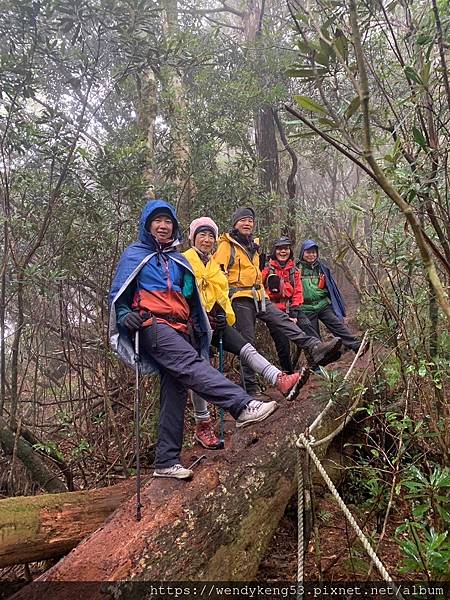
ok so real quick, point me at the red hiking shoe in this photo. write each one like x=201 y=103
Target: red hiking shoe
x=286 y=382
x=290 y=385
x=205 y=435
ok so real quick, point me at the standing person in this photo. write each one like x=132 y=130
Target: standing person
x=283 y=283
x=322 y=300
x=213 y=287
x=238 y=256
x=154 y=292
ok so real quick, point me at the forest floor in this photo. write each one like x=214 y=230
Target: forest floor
x=335 y=555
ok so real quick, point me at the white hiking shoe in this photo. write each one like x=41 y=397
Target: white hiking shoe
x=255 y=411
x=176 y=472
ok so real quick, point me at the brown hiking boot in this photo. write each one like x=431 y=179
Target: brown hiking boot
x=323 y=353
x=205 y=435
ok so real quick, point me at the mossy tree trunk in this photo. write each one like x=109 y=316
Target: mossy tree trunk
x=42 y=527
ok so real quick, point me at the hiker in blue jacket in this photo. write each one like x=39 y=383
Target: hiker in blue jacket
x=154 y=291
x=322 y=300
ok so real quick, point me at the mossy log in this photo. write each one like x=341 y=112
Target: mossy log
x=216 y=527
x=41 y=527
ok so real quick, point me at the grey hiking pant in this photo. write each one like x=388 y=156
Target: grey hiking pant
x=181 y=368
x=275 y=319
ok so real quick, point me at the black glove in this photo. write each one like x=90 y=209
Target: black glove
x=221 y=322
x=293 y=313
x=274 y=283
x=133 y=321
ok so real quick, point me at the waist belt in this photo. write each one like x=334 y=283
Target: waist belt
x=148 y=315
x=259 y=304
x=170 y=319
x=244 y=288
x=153 y=332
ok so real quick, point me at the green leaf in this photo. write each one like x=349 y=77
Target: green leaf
x=307 y=72
x=413 y=75
x=352 y=107
x=419 y=138
x=424 y=38
x=328 y=123
x=304 y=46
x=309 y=104
x=341 y=44
x=357 y=207
x=425 y=74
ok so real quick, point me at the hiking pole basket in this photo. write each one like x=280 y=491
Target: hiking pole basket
x=137 y=424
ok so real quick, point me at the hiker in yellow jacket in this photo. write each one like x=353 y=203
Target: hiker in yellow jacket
x=238 y=256
x=214 y=294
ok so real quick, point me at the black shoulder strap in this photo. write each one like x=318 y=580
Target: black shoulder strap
x=292 y=276
x=232 y=257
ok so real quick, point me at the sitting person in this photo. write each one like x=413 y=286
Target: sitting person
x=283 y=283
x=238 y=256
x=322 y=300
x=154 y=292
x=213 y=287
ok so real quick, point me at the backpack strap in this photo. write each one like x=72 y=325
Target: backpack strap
x=292 y=276
x=232 y=257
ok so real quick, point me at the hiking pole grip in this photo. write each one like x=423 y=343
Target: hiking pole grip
x=137 y=422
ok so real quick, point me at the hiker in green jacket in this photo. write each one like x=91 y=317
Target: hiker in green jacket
x=322 y=300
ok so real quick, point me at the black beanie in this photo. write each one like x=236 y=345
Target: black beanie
x=241 y=213
x=156 y=213
x=282 y=241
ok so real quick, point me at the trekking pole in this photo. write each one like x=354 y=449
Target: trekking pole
x=137 y=423
x=221 y=412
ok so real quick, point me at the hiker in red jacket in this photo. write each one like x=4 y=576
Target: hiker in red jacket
x=283 y=283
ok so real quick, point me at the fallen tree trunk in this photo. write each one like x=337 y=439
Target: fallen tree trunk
x=216 y=527
x=41 y=527
x=30 y=459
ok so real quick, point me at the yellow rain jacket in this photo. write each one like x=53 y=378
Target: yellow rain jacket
x=244 y=274
x=212 y=284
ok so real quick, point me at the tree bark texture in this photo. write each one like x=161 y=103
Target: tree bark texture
x=48 y=526
x=216 y=527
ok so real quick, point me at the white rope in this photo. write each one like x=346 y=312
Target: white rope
x=300 y=537
x=304 y=442
x=316 y=423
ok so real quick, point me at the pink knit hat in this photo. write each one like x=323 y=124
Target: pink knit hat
x=202 y=223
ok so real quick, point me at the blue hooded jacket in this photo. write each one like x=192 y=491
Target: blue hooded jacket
x=146 y=251
x=337 y=301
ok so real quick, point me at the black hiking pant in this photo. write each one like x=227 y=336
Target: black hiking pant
x=331 y=321
x=246 y=315
x=283 y=345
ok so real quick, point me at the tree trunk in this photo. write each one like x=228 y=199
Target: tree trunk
x=266 y=143
x=30 y=459
x=177 y=118
x=148 y=110
x=41 y=527
x=216 y=527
